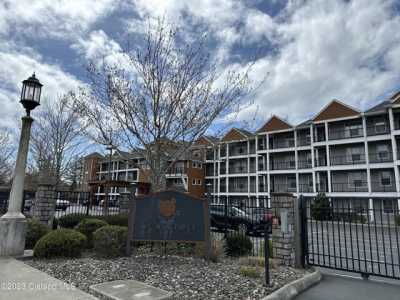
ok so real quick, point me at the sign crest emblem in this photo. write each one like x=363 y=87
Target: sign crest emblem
x=168 y=208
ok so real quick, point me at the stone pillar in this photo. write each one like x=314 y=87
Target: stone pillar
x=283 y=233
x=13 y=223
x=44 y=205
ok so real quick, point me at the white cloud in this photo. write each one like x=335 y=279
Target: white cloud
x=330 y=49
x=49 y=18
x=17 y=67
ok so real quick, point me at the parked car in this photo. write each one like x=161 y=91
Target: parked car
x=62 y=204
x=236 y=219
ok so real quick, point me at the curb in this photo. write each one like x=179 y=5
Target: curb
x=292 y=289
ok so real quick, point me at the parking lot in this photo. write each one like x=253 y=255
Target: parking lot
x=364 y=248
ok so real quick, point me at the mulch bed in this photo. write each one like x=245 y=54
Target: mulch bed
x=185 y=277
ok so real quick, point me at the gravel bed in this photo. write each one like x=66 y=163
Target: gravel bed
x=185 y=277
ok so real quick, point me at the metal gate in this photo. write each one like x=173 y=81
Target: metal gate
x=344 y=234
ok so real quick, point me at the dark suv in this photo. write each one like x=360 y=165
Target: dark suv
x=236 y=219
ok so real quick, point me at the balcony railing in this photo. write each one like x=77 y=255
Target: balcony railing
x=176 y=171
x=283 y=165
x=322 y=188
x=353 y=159
x=377 y=186
x=238 y=189
x=347 y=133
x=378 y=129
x=282 y=143
x=380 y=157
x=304 y=164
x=283 y=188
x=262 y=188
x=356 y=186
x=305 y=188
x=320 y=161
x=237 y=170
x=303 y=141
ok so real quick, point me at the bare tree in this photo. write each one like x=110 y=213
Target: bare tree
x=6 y=154
x=160 y=98
x=56 y=137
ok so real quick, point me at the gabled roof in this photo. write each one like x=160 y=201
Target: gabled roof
x=274 y=124
x=396 y=98
x=94 y=155
x=236 y=134
x=381 y=107
x=335 y=110
x=206 y=140
x=305 y=124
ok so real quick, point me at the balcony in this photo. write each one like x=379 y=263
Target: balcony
x=237 y=169
x=283 y=188
x=282 y=143
x=176 y=171
x=380 y=157
x=353 y=159
x=283 y=165
x=378 y=129
x=305 y=188
x=320 y=161
x=346 y=133
x=303 y=141
x=377 y=186
x=304 y=164
x=358 y=186
x=322 y=187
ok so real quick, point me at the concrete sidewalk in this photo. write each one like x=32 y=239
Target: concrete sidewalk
x=333 y=287
x=19 y=281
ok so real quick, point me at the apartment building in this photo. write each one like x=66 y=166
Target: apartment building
x=110 y=174
x=341 y=151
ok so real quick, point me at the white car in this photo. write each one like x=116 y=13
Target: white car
x=62 y=204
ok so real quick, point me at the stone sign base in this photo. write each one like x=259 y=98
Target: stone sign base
x=128 y=290
x=12 y=236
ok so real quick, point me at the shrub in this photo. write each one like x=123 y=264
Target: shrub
x=238 y=244
x=35 y=230
x=252 y=261
x=60 y=243
x=110 y=241
x=270 y=249
x=118 y=220
x=71 y=221
x=253 y=272
x=320 y=208
x=88 y=226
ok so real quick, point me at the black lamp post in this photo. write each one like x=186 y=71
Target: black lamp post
x=30 y=94
x=13 y=223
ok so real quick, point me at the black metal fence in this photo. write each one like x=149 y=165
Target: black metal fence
x=348 y=235
x=77 y=203
x=228 y=217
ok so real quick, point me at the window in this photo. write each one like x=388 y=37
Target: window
x=193 y=181
x=199 y=181
x=386 y=178
x=196 y=164
x=291 y=182
x=196 y=153
x=382 y=151
x=354 y=130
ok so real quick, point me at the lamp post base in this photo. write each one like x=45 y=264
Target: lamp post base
x=12 y=233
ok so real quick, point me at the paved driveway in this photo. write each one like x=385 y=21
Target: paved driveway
x=333 y=287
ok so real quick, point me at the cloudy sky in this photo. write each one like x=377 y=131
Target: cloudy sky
x=312 y=51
